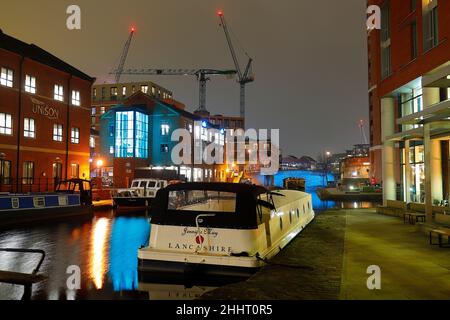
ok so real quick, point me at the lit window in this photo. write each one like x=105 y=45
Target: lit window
x=133 y=89
x=75 y=136
x=131 y=135
x=144 y=89
x=94 y=93
x=30 y=84
x=27 y=172
x=76 y=98
x=165 y=129
x=111 y=150
x=59 y=93
x=5 y=124
x=190 y=128
x=6 y=77
x=124 y=91
x=57 y=132
x=153 y=91
x=102 y=110
x=29 y=129
x=94 y=111
x=159 y=93
x=92 y=142
x=113 y=92
x=75 y=170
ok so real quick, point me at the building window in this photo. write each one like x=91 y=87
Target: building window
x=144 y=89
x=414 y=45
x=75 y=170
x=413 y=5
x=5 y=124
x=29 y=129
x=30 y=84
x=164 y=148
x=111 y=150
x=57 y=170
x=93 y=111
x=113 y=93
x=75 y=136
x=94 y=93
x=76 y=101
x=124 y=91
x=92 y=142
x=103 y=93
x=102 y=110
x=5 y=171
x=190 y=128
x=124 y=134
x=141 y=149
x=165 y=129
x=131 y=135
x=385 y=42
x=27 y=172
x=153 y=90
x=6 y=77
x=133 y=89
x=59 y=93
x=430 y=25
x=58 y=132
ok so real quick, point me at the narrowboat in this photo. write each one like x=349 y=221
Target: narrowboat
x=221 y=228
x=70 y=198
x=141 y=193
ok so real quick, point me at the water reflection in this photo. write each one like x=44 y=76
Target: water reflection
x=98 y=254
x=127 y=236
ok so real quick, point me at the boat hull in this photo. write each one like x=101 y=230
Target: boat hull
x=18 y=217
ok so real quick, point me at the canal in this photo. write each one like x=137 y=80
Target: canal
x=104 y=249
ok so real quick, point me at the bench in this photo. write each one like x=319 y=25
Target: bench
x=24 y=279
x=414 y=217
x=440 y=233
x=393 y=208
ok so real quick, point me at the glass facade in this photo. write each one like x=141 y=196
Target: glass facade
x=417 y=174
x=131 y=135
x=141 y=148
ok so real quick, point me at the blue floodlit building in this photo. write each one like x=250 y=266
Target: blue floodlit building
x=137 y=134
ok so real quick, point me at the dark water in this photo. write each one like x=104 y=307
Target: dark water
x=105 y=250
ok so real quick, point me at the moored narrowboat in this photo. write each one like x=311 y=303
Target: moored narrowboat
x=221 y=228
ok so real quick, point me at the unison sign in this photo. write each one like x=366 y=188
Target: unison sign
x=42 y=109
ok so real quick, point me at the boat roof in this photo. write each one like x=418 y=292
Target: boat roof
x=219 y=186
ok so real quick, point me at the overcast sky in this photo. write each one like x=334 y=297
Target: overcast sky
x=310 y=57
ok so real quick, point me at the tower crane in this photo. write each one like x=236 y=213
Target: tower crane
x=363 y=132
x=243 y=77
x=123 y=58
x=202 y=76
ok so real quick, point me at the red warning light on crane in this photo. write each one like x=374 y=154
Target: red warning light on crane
x=220 y=13
x=133 y=29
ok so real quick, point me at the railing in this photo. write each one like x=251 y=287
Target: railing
x=37 y=251
x=28 y=185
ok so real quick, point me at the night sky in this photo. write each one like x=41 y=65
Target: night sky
x=310 y=57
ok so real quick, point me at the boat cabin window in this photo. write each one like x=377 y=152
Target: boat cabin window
x=202 y=200
x=135 y=184
x=142 y=184
x=151 y=184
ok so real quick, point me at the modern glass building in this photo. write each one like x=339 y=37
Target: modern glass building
x=131 y=134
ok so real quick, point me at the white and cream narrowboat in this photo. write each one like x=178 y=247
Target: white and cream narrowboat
x=221 y=228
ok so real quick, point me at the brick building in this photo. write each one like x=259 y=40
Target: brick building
x=409 y=80
x=44 y=117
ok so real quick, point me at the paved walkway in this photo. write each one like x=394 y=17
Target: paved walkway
x=332 y=256
x=410 y=267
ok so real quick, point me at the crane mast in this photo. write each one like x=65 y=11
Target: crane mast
x=123 y=58
x=243 y=78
